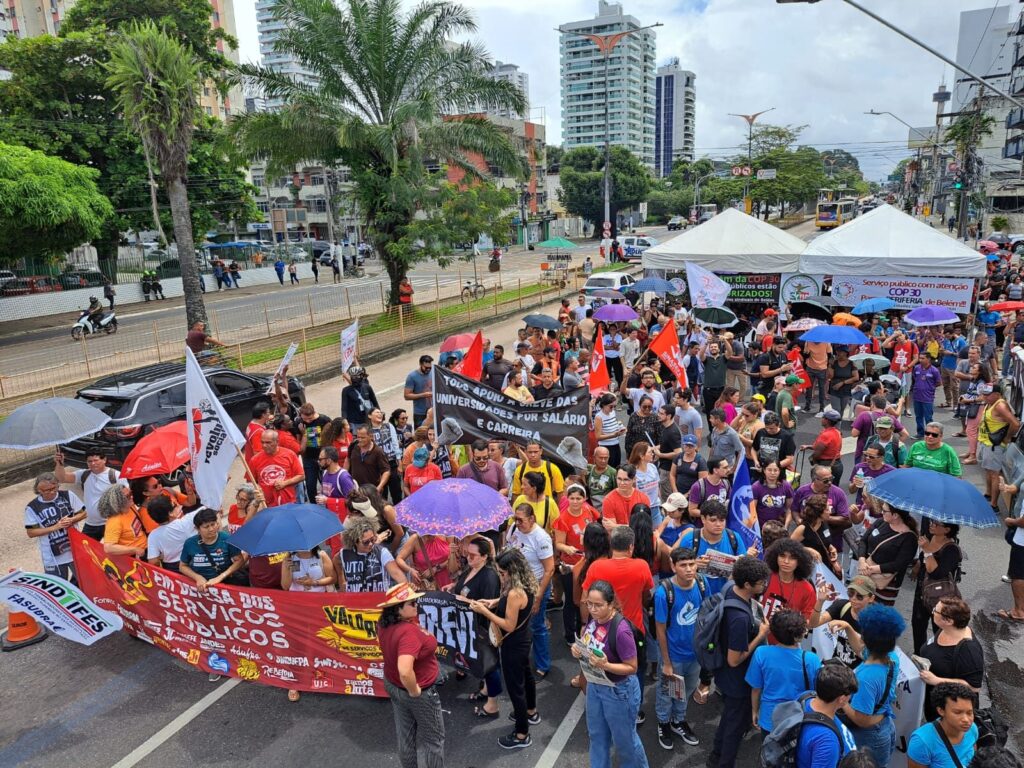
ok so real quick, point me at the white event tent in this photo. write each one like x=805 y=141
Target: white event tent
x=729 y=242
x=888 y=242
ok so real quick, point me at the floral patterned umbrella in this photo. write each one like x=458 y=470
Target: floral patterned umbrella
x=453 y=508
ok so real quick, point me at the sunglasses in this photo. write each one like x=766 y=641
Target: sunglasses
x=932 y=434
x=824 y=480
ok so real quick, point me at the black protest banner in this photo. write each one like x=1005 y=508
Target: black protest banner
x=749 y=288
x=466 y=410
x=461 y=635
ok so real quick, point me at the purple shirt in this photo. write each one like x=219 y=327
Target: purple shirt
x=869 y=472
x=840 y=506
x=864 y=424
x=337 y=485
x=771 y=502
x=926 y=381
x=491 y=475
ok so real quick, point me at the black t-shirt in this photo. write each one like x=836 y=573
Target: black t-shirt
x=844 y=651
x=737 y=630
x=737 y=349
x=964 y=661
x=947 y=560
x=486 y=585
x=772 y=361
x=313 y=430
x=773 y=447
x=670 y=440
x=495 y=372
x=688 y=471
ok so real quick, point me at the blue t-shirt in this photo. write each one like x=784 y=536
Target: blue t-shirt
x=954 y=346
x=419 y=383
x=671 y=533
x=871 y=679
x=679 y=627
x=221 y=553
x=818 y=747
x=724 y=544
x=927 y=748
x=779 y=673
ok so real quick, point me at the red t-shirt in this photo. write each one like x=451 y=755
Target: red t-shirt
x=269 y=469
x=904 y=356
x=417 y=477
x=798 y=595
x=630 y=578
x=265 y=570
x=833 y=442
x=408 y=639
x=252 y=439
x=615 y=506
x=341 y=446
x=286 y=440
x=573 y=528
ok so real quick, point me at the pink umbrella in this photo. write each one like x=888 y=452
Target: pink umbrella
x=458 y=342
x=803 y=324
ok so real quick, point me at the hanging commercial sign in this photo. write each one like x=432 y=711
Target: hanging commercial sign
x=908 y=292
x=749 y=288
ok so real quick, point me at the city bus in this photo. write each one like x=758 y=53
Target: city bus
x=829 y=215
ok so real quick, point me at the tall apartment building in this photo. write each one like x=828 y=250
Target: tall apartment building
x=511 y=73
x=31 y=18
x=283 y=63
x=675 y=110
x=222 y=16
x=627 y=76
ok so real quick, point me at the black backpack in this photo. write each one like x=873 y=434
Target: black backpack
x=788 y=721
x=668 y=589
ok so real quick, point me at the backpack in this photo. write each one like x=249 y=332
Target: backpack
x=610 y=646
x=734 y=541
x=707 y=633
x=702 y=485
x=669 y=590
x=788 y=720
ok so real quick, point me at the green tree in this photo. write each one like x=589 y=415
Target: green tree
x=156 y=80
x=47 y=205
x=767 y=137
x=554 y=158
x=582 y=183
x=383 y=76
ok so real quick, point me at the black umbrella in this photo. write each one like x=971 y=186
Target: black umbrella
x=542 y=321
x=825 y=301
x=716 y=317
x=808 y=308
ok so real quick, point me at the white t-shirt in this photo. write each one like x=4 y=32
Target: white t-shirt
x=55 y=547
x=167 y=540
x=656 y=395
x=535 y=546
x=93 y=486
x=580 y=312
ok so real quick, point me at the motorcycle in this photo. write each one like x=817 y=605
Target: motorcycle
x=107 y=323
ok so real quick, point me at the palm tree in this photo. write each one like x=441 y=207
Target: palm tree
x=156 y=79
x=381 y=80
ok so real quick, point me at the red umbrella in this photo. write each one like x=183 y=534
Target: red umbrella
x=458 y=342
x=159 y=453
x=1006 y=306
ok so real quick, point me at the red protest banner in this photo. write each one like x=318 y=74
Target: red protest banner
x=309 y=641
x=666 y=346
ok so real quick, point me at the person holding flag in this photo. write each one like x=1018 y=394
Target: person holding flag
x=600 y=381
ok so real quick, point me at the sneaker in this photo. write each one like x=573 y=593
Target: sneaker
x=511 y=741
x=664 y=736
x=797 y=408
x=1005 y=579
x=683 y=730
x=641 y=718
x=819 y=414
x=213 y=677
x=533 y=719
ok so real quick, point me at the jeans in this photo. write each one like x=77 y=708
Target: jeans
x=570 y=611
x=923 y=413
x=541 y=642
x=839 y=402
x=419 y=719
x=519 y=682
x=737 y=715
x=611 y=721
x=818 y=378
x=671 y=710
x=879 y=740
x=492 y=680
x=312 y=471
x=709 y=397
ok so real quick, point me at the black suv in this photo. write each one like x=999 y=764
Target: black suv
x=140 y=400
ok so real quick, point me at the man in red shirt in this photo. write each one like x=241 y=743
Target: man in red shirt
x=631 y=579
x=261 y=417
x=618 y=504
x=828 y=445
x=904 y=356
x=278 y=470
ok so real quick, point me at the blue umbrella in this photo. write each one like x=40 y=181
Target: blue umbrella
x=941 y=497
x=992 y=257
x=835 y=334
x=654 y=285
x=930 y=315
x=868 y=306
x=287 y=528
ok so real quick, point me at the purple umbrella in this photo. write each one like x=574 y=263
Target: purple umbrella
x=453 y=508
x=616 y=313
x=931 y=315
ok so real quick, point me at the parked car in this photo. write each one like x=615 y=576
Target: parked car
x=87 y=278
x=140 y=400
x=23 y=286
x=6 y=276
x=612 y=281
x=634 y=246
x=677 y=222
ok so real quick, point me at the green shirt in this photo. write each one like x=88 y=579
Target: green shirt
x=943 y=459
x=600 y=483
x=784 y=399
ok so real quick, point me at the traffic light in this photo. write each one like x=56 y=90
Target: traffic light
x=958 y=181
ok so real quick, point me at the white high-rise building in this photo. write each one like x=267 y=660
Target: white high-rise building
x=675 y=111
x=284 y=63
x=629 y=79
x=518 y=78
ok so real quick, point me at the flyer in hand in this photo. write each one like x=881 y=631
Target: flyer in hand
x=593 y=675
x=719 y=564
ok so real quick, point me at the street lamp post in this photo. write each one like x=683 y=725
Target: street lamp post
x=605 y=45
x=750 y=143
x=936 y=147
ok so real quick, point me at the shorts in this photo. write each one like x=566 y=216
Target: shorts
x=991 y=458
x=1016 y=568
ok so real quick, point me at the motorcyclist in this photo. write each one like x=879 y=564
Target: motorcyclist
x=95 y=312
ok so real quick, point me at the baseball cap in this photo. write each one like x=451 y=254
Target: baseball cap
x=862 y=585
x=676 y=500
x=793 y=379
x=770 y=312
x=420 y=457
x=832 y=415
x=759 y=397
x=883 y=422
x=689 y=439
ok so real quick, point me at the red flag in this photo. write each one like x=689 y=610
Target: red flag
x=472 y=365
x=666 y=346
x=599 y=379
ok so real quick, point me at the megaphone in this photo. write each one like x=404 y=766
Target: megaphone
x=571 y=450
x=450 y=432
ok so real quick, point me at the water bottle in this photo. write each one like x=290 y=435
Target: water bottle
x=859 y=478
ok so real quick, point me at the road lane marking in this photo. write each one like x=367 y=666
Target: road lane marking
x=563 y=733
x=155 y=741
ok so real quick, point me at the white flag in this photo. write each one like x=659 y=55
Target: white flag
x=213 y=438
x=706 y=288
x=349 y=337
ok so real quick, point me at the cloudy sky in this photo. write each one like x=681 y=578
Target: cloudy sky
x=822 y=65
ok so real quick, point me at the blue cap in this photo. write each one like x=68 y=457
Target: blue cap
x=689 y=439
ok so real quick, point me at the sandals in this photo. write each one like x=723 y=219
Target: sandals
x=1005 y=615
x=577 y=681
x=293 y=696
x=969 y=461
x=484 y=714
x=700 y=696
x=478 y=696
x=460 y=675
